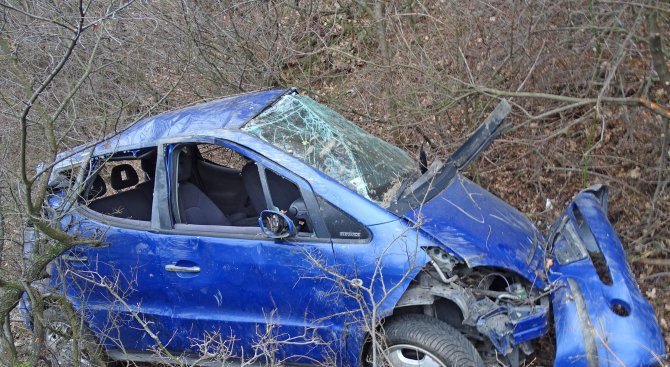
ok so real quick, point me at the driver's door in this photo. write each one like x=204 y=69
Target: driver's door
x=235 y=291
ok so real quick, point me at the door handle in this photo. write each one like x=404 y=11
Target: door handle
x=75 y=259
x=182 y=269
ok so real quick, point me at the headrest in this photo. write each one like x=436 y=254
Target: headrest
x=185 y=165
x=123 y=176
x=149 y=166
x=97 y=189
x=250 y=169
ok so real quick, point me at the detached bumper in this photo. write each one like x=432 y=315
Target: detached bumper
x=600 y=315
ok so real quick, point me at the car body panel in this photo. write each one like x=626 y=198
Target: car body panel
x=482 y=230
x=126 y=260
x=588 y=330
x=244 y=284
x=250 y=285
x=397 y=248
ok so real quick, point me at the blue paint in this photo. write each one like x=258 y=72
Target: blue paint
x=230 y=113
x=247 y=283
x=482 y=230
x=531 y=325
x=633 y=340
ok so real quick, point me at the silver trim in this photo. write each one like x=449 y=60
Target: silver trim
x=182 y=269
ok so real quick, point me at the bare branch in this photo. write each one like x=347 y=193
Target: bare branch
x=37 y=17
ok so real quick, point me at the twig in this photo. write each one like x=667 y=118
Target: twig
x=30 y=207
x=108 y=15
x=578 y=101
x=660 y=65
x=580 y=170
x=467 y=67
x=532 y=68
x=610 y=75
x=655 y=275
x=646 y=6
x=37 y=17
x=656 y=262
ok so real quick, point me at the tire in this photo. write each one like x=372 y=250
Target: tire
x=420 y=340
x=58 y=341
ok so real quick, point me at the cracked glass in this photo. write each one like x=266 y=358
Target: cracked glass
x=335 y=146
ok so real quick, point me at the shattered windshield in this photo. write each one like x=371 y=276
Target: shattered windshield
x=335 y=146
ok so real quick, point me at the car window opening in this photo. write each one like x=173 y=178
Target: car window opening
x=123 y=185
x=219 y=187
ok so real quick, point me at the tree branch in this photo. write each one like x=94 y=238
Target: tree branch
x=661 y=67
x=23 y=120
x=578 y=101
x=37 y=17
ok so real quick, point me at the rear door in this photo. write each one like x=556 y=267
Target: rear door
x=118 y=280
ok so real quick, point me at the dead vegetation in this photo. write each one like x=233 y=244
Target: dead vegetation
x=588 y=80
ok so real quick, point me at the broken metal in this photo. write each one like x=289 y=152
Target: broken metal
x=508 y=318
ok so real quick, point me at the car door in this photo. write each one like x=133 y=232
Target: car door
x=117 y=281
x=237 y=289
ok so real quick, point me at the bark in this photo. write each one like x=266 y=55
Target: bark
x=661 y=67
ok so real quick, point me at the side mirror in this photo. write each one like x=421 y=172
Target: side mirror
x=276 y=225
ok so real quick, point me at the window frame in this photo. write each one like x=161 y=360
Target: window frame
x=112 y=221
x=162 y=220
x=320 y=231
x=94 y=168
x=363 y=240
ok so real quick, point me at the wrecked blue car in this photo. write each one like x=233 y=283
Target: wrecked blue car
x=267 y=229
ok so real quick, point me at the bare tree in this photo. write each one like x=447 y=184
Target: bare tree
x=57 y=57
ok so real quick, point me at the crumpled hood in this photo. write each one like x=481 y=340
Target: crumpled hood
x=481 y=229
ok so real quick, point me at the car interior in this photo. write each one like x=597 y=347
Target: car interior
x=215 y=186
x=130 y=198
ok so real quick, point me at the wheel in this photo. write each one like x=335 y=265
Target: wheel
x=59 y=341
x=420 y=340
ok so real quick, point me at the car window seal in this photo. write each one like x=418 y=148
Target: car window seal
x=127 y=223
x=189 y=229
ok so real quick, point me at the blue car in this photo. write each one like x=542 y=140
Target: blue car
x=266 y=229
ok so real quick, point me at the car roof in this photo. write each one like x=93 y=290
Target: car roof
x=226 y=113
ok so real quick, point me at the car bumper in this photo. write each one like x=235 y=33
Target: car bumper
x=600 y=315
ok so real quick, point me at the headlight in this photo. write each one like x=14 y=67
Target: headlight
x=567 y=245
